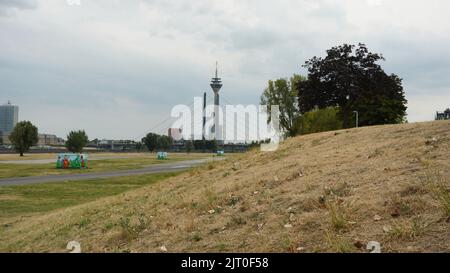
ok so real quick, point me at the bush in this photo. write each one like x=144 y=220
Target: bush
x=322 y=120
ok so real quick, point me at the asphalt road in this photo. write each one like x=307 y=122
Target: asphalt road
x=157 y=168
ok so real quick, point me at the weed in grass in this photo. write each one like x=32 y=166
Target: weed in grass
x=287 y=244
x=222 y=247
x=412 y=190
x=130 y=230
x=215 y=231
x=401 y=206
x=244 y=207
x=218 y=210
x=210 y=197
x=196 y=237
x=376 y=153
x=338 y=189
x=256 y=216
x=190 y=226
x=440 y=191
x=236 y=221
x=83 y=223
x=308 y=204
x=339 y=244
x=408 y=230
x=338 y=215
x=193 y=205
x=108 y=226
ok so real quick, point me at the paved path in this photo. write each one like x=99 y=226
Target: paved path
x=157 y=168
x=47 y=161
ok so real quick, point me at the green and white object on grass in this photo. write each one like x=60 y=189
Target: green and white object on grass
x=162 y=156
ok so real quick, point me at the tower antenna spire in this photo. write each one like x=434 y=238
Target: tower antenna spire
x=217 y=64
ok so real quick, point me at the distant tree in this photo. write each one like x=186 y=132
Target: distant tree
x=164 y=143
x=1 y=138
x=189 y=145
x=199 y=145
x=353 y=80
x=24 y=136
x=76 y=141
x=151 y=141
x=213 y=145
x=139 y=146
x=283 y=92
x=205 y=145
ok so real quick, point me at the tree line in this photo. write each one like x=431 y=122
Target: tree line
x=25 y=135
x=349 y=80
x=155 y=142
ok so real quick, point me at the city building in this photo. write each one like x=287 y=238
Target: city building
x=113 y=145
x=176 y=134
x=443 y=115
x=49 y=140
x=9 y=116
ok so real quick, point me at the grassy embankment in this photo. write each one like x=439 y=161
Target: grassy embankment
x=327 y=192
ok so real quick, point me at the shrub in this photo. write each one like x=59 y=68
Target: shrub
x=322 y=120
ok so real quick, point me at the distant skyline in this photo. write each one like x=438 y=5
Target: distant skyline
x=116 y=68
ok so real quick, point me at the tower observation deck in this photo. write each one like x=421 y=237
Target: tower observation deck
x=216 y=85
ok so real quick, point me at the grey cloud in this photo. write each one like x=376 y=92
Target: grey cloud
x=7 y=7
x=422 y=59
x=19 y=4
x=149 y=59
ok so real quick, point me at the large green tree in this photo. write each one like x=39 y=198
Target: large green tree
x=351 y=78
x=151 y=141
x=24 y=136
x=164 y=143
x=76 y=141
x=283 y=92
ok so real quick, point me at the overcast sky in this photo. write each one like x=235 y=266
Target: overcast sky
x=117 y=67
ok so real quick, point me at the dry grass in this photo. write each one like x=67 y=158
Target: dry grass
x=440 y=190
x=317 y=193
